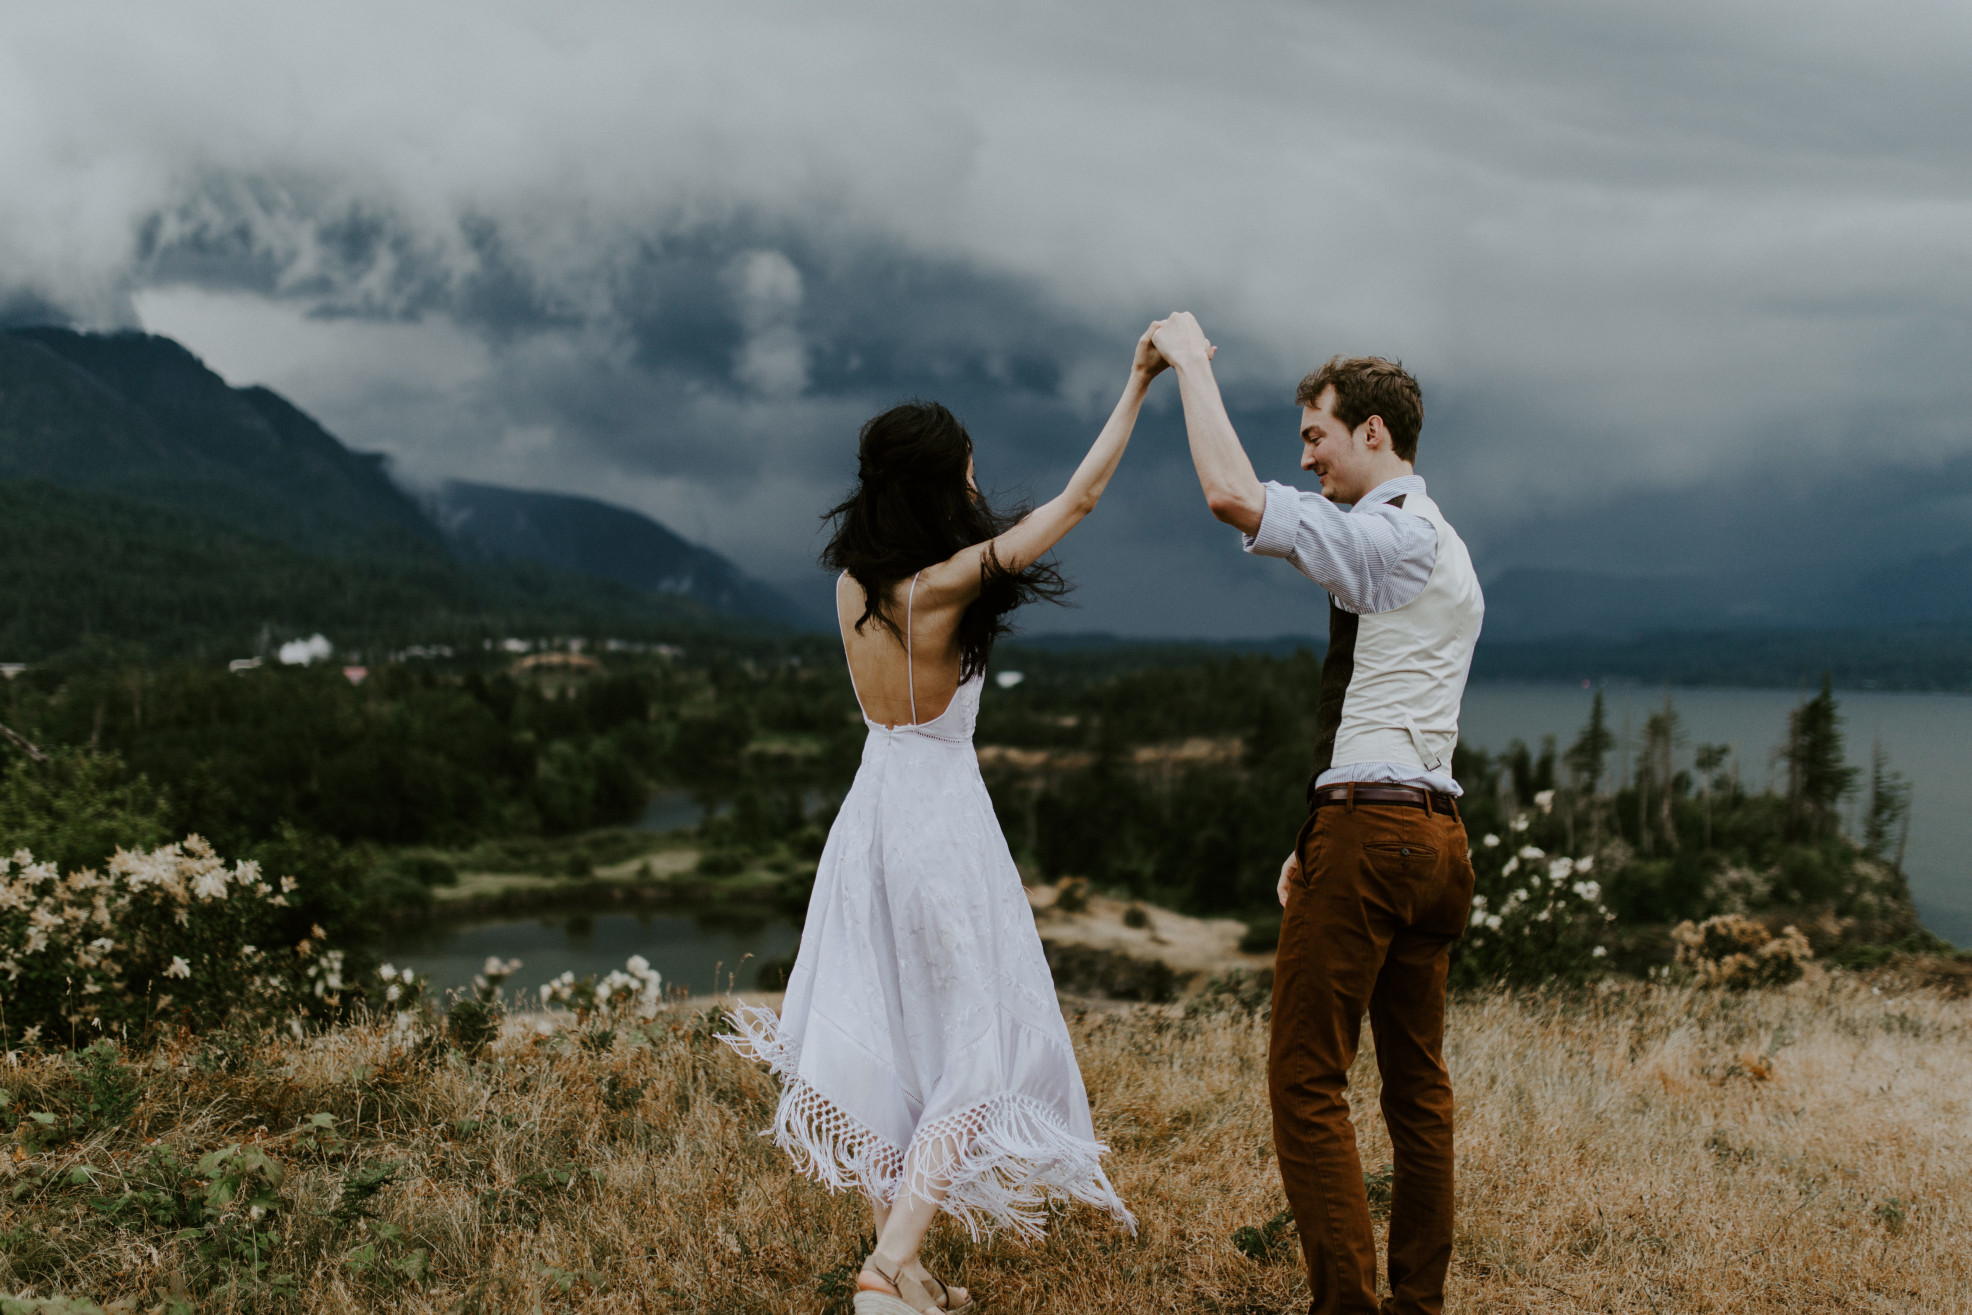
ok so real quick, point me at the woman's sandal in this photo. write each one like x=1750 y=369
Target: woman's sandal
x=898 y=1301
x=945 y=1299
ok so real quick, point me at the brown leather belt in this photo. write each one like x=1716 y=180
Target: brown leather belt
x=1407 y=796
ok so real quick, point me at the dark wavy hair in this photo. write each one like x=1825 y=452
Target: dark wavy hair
x=912 y=508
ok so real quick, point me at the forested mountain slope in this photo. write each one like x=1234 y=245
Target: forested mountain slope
x=152 y=507
x=611 y=543
x=140 y=416
x=94 y=574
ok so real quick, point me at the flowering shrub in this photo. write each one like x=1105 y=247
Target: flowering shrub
x=491 y=976
x=1534 y=919
x=1740 y=954
x=636 y=988
x=172 y=935
x=403 y=992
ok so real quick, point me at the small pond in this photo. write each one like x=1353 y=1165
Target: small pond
x=706 y=952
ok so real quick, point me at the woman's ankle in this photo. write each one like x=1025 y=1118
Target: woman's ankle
x=894 y=1264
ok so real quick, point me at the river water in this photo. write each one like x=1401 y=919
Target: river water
x=705 y=952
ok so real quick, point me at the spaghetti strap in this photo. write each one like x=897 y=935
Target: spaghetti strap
x=910 y=671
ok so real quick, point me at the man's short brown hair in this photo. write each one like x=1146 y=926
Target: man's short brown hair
x=1368 y=386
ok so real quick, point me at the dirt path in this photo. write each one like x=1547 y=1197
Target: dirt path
x=1201 y=947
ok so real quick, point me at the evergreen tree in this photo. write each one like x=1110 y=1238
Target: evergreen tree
x=1888 y=816
x=1656 y=775
x=1584 y=757
x=1818 y=775
x=1708 y=760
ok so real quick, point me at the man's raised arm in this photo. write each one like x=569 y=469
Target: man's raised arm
x=1232 y=490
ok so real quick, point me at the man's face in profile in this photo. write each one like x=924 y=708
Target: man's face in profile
x=1332 y=450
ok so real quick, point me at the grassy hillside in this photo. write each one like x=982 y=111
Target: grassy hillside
x=1645 y=1149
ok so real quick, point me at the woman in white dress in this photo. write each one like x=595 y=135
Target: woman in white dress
x=921 y=1050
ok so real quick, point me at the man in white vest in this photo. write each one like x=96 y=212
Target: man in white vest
x=1380 y=882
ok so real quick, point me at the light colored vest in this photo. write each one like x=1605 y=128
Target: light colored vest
x=1411 y=663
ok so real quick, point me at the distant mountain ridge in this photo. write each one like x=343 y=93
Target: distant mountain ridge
x=599 y=539
x=137 y=419
x=1526 y=604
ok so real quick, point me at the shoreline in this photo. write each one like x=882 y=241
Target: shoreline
x=661 y=879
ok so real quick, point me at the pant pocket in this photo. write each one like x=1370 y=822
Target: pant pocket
x=1404 y=853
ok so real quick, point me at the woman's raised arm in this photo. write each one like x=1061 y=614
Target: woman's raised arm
x=957 y=580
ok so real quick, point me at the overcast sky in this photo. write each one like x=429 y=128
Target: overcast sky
x=1684 y=283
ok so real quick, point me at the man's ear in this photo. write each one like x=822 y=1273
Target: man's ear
x=1375 y=432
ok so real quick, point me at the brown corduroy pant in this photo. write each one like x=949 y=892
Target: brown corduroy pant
x=1384 y=891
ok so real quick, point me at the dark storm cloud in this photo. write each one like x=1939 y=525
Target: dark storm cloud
x=1685 y=284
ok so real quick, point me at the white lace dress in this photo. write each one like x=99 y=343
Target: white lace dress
x=920 y=1032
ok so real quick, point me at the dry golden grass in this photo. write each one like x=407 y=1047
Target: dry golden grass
x=1646 y=1149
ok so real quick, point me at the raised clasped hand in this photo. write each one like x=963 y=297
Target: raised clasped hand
x=1179 y=340
x=1148 y=361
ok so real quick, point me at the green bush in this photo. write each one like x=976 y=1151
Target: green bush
x=78 y=808
x=428 y=870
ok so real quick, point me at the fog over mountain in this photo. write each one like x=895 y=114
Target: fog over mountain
x=1686 y=285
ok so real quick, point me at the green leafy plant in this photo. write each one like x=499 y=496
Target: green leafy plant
x=1264 y=1242
x=472 y=1025
x=1379 y=1187
x=359 y=1187
x=110 y=1090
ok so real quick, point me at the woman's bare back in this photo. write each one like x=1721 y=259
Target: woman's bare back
x=887 y=676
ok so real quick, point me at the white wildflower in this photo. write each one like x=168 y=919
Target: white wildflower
x=1532 y=852
x=1491 y=841
x=1589 y=890
x=1512 y=866
x=178 y=968
x=1544 y=800
x=1584 y=864
x=1519 y=824
x=1598 y=952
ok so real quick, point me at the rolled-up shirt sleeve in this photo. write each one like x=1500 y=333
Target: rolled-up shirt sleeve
x=1375 y=558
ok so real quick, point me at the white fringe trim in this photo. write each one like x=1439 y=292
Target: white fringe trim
x=997 y=1163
